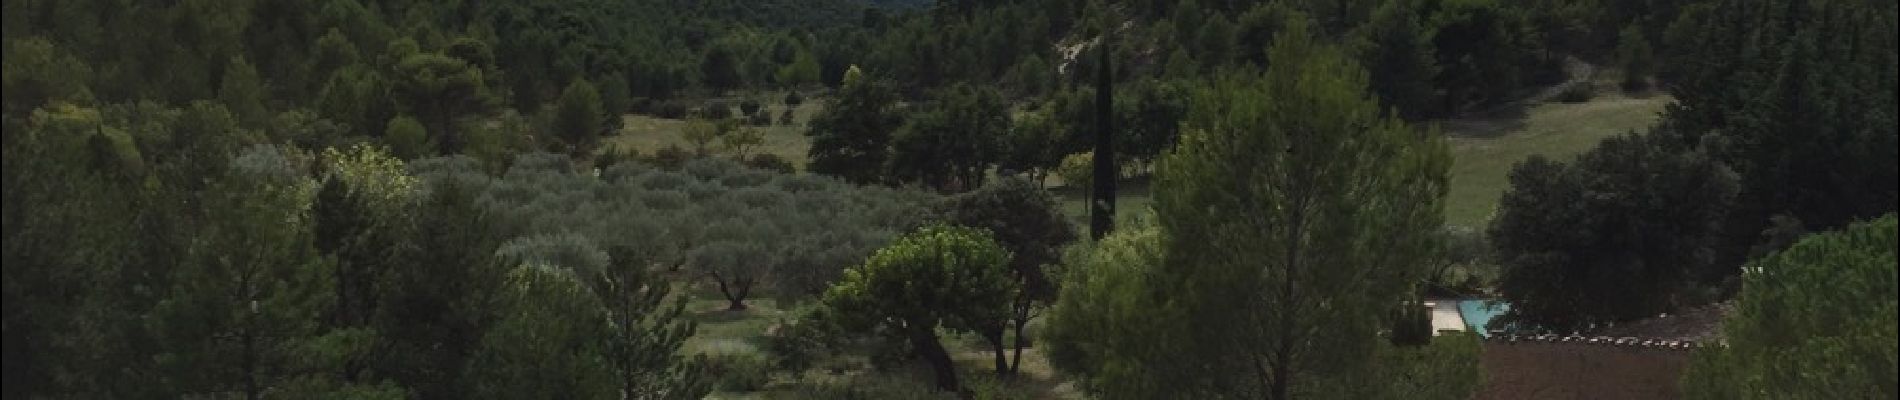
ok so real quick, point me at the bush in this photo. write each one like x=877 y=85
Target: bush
x=642 y=105
x=407 y=138
x=801 y=343
x=670 y=158
x=762 y=117
x=670 y=109
x=1578 y=93
x=770 y=162
x=786 y=118
x=615 y=155
x=739 y=372
x=793 y=99
x=715 y=110
x=1411 y=325
x=750 y=106
x=1077 y=170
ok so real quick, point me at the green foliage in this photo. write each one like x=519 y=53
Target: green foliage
x=1446 y=369
x=719 y=69
x=940 y=276
x=770 y=162
x=407 y=138
x=1396 y=48
x=247 y=300
x=1793 y=95
x=242 y=91
x=1149 y=118
x=1033 y=146
x=1106 y=318
x=545 y=343
x=1026 y=222
x=1815 y=321
x=579 y=118
x=440 y=91
x=1411 y=325
x=1634 y=55
x=701 y=134
x=741 y=140
x=1486 y=53
x=851 y=138
x=39 y=72
x=740 y=372
x=1269 y=212
x=1614 y=236
x=1077 y=171
x=952 y=144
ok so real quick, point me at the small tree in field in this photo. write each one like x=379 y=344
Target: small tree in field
x=578 y=119
x=946 y=277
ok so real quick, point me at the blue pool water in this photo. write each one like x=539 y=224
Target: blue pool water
x=1478 y=313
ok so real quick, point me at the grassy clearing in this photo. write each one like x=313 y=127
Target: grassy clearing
x=1131 y=199
x=646 y=133
x=1485 y=149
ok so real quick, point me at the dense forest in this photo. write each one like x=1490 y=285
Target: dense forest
x=432 y=199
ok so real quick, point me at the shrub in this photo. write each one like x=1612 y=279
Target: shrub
x=802 y=342
x=642 y=105
x=670 y=158
x=1411 y=325
x=1077 y=170
x=407 y=139
x=670 y=109
x=750 y=106
x=786 y=118
x=1578 y=93
x=715 y=110
x=761 y=117
x=616 y=155
x=770 y=162
x=739 y=372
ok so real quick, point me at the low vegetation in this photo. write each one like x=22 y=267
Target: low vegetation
x=601 y=199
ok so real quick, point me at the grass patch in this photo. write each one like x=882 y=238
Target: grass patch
x=723 y=331
x=1131 y=199
x=646 y=133
x=1482 y=159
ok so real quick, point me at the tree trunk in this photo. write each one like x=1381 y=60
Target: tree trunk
x=1022 y=341
x=735 y=296
x=994 y=335
x=925 y=341
x=251 y=391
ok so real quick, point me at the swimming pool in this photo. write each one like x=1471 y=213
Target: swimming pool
x=1478 y=313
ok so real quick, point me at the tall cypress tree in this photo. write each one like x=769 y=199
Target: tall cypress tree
x=1102 y=203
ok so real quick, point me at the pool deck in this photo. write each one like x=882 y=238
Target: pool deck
x=1445 y=316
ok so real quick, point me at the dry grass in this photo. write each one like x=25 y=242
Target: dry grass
x=646 y=134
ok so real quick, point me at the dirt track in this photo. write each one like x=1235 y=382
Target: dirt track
x=1577 y=371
